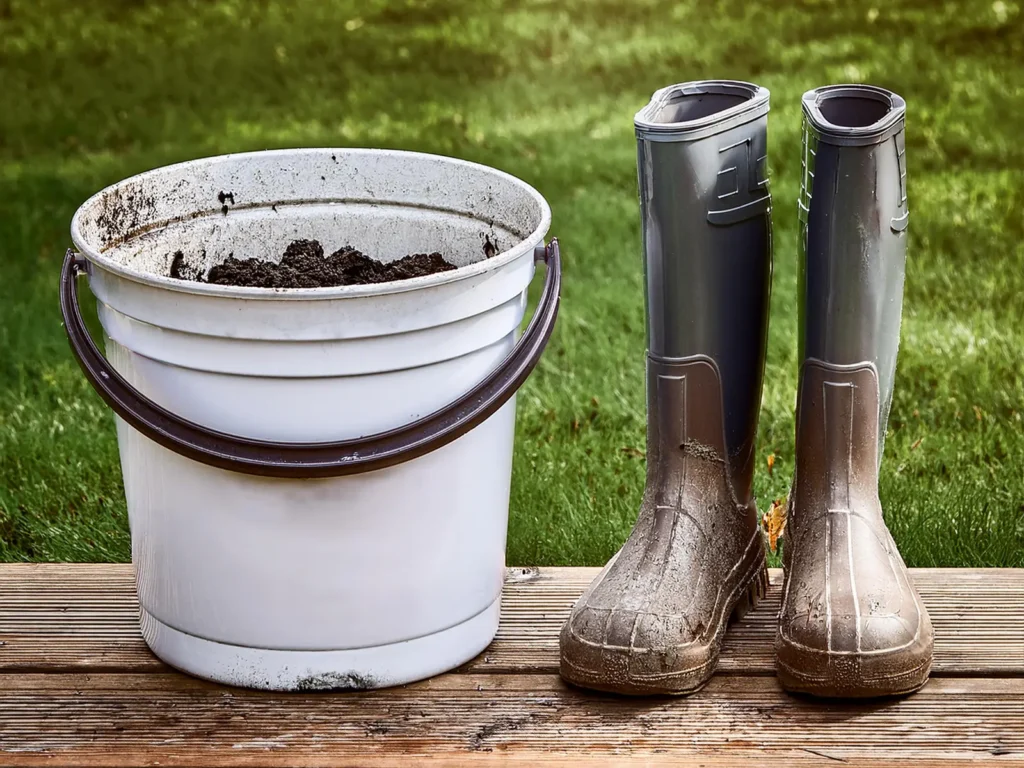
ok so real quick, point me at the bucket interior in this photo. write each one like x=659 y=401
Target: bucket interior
x=386 y=204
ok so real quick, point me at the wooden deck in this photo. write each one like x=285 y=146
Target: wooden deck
x=79 y=687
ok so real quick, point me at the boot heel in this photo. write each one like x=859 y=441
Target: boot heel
x=752 y=595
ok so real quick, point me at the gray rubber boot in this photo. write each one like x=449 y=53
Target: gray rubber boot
x=851 y=623
x=652 y=622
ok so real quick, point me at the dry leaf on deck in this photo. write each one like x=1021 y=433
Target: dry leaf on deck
x=774 y=522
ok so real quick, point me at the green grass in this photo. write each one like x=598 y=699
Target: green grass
x=94 y=92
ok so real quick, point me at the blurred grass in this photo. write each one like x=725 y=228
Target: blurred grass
x=97 y=91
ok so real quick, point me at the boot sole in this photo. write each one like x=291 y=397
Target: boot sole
x=835 y=687
x=751 y=590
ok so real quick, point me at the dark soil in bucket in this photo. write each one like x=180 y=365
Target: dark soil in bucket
x=305 y=266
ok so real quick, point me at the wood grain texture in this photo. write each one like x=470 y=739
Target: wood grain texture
x=169 y=719
x=85 y=618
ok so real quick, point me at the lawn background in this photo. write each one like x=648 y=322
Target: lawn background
x=97 y=91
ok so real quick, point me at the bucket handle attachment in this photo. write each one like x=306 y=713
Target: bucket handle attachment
x=324 y=459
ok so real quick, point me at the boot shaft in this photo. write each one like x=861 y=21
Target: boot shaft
x=706 y=219
x=853 y=212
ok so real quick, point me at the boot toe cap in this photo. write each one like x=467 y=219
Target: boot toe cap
x=855 y=656
x=633 y=652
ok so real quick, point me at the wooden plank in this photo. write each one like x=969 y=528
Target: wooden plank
x=84 y=617
x=170 y=719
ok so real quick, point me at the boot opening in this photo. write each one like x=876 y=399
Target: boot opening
x=701 y=106
x=857 y=114
x=853 y=111
x=685 y=107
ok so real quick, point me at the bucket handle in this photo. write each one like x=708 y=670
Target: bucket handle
x=325 y=459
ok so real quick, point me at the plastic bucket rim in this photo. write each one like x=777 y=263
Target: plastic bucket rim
x=483 y=266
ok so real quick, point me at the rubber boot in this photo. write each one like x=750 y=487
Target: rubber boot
x=652 y=622
x=851 y=623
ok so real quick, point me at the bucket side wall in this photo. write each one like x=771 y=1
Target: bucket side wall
x=308 y=409
x=350 y=562
x=314 y=357
x=312 y=318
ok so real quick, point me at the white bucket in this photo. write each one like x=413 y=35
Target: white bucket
x=257 y=564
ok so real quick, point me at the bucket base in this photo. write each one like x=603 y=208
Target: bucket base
x=352 y=669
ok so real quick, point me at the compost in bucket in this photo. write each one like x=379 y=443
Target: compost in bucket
x=304 y=265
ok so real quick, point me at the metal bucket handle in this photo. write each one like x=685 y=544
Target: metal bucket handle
x=325 y=459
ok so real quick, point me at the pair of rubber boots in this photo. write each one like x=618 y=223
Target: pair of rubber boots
x=851 y=623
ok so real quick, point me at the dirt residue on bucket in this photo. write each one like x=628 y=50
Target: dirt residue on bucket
x=305 y=266
x=181 y=270
x=336 y=681
x=124 y=210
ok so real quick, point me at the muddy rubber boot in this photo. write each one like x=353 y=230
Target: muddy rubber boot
x=652 y=622
x=851 y=623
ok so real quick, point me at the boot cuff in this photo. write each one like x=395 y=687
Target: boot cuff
x=854 y=115
x=696 y=110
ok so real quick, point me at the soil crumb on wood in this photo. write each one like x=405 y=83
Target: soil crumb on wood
x=305 y=266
